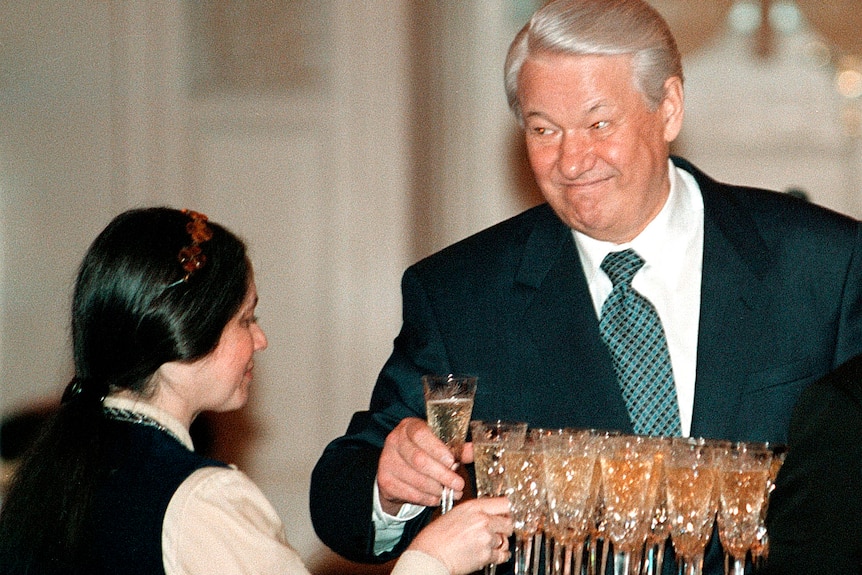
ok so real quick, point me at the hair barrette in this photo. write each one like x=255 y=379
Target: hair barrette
x=191 y=257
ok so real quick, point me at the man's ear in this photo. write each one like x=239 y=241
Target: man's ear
x=671 y=108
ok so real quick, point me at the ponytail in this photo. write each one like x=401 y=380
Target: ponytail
x=59 y=472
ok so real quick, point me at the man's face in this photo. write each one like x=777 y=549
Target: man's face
x=599 y=154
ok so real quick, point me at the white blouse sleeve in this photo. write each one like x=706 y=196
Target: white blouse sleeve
x=219 y=522
x=418 y=563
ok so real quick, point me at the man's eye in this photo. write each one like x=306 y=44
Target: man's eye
x=601 y=124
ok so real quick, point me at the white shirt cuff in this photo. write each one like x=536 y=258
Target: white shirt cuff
x=388 y=529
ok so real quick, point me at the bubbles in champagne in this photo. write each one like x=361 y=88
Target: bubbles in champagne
x=691 y=503
x=449 y=419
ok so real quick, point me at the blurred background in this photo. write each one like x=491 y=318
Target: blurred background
x=344 y=140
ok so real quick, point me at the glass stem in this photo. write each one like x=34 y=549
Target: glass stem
x=692 y=566
x=523 y=552
x=567 y=565
x=578 y=547
x=557 y=563
x=592 y=557
x=537 y=551
x=659 y=558
x=622 y=563
x=606 y=547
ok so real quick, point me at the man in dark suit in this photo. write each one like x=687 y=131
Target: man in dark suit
x=758 y=293
x=814 y=519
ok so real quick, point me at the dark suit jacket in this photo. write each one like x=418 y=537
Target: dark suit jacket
x=780 y=307
x=814 y=520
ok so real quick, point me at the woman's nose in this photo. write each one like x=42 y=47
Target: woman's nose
x=260 y=341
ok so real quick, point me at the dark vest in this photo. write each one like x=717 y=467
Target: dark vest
x=146 y=468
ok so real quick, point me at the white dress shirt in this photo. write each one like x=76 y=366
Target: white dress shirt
x=672 y=247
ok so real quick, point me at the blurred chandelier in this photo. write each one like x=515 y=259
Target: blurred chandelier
x=838 y=23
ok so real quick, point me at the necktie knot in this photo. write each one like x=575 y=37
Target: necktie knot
x=622 y=266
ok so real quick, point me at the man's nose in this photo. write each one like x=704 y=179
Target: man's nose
x=577 y=155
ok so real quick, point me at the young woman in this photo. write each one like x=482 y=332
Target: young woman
x=164 y=328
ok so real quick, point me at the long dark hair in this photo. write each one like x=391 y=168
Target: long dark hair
x=135 y=307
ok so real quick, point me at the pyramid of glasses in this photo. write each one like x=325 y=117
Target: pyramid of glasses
x=589 y=500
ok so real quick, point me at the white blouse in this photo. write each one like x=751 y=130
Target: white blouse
x=219 y=522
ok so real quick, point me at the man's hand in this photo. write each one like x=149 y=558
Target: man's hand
x=415 y=466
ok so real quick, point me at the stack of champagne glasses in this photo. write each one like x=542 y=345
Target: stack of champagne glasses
x=604 y=503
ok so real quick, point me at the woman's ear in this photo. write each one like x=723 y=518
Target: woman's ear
x=175 y=379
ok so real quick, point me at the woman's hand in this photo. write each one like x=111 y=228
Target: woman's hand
x=473 y=534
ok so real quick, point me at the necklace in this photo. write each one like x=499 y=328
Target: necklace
x=129 y=416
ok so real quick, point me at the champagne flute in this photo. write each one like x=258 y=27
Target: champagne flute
x=541 y=436
x=744 y=479
x=491 y=440
x=659 y=522
x=525 y=487
x=597 y=559
x=760 y=546
x=691 y=499
x=627 y=467
x=448 y=405
x=572 y=488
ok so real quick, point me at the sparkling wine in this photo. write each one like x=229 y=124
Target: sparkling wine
x=488 y=458
x=742 y=498
x=691 y=503
x=449 y=419
x=525 y=488
x=625 y=483
x=569 y=481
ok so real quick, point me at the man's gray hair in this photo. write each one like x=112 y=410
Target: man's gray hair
x=602 y=28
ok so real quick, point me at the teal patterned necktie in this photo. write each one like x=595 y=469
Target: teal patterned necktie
x=632 y=330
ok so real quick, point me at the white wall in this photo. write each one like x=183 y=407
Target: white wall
x=56 y=188
x=774 y=123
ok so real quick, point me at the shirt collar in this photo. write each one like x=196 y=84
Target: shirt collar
x=663 y=239
x=153 y=412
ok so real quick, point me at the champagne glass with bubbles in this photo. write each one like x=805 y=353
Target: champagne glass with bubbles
x=627 y=468
x=491 y=441
x=448 y=405
x=691 y=499
x=743 y=481
x=525 y=487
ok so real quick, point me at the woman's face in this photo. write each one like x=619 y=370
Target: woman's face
x=223 y=377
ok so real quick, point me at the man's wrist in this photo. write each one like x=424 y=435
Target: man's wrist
x=393 y=513
x=389 y=528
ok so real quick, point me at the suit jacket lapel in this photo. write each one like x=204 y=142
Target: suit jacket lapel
x=560 y=320
x=735 y=260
